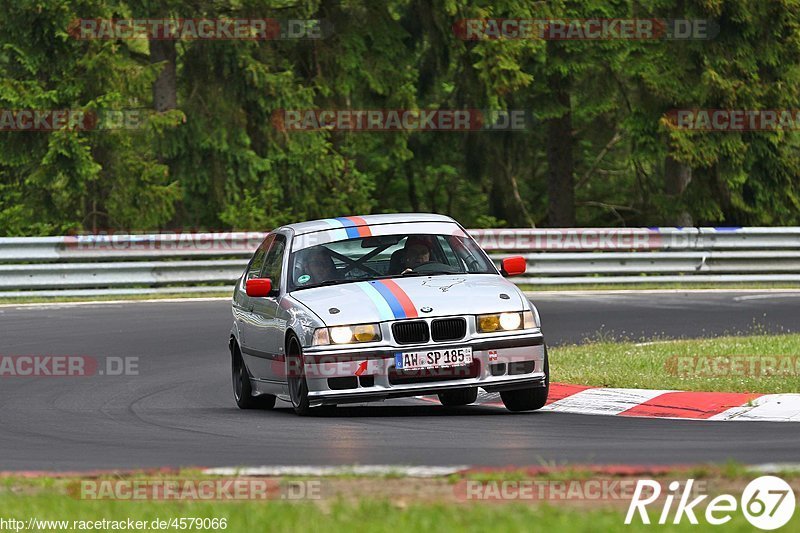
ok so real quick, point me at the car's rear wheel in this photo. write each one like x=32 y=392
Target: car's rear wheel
x=298 y=387
x=458 y=397
x=529 y=399
x=242 y=389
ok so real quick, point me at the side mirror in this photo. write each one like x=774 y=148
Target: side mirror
x=513 y=266
x=258 y=287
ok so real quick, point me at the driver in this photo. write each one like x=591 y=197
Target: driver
x=415 y=255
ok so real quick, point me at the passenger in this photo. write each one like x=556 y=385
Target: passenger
x=319 y=265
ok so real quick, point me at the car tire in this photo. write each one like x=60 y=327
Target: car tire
x=529 y=399
x=458 y=397
x=243 y=390
x=296 y=377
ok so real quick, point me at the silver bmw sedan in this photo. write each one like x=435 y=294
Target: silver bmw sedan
x=359 y=309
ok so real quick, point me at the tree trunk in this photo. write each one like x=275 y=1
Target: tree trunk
x=677 y=177
x=413 y=199
x=165 y=88
x=561 y=167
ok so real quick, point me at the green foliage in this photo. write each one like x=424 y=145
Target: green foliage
x=219 y=162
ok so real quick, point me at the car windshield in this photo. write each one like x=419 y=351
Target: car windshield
x=386 y=256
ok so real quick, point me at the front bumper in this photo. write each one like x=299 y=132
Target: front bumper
x=500 y=362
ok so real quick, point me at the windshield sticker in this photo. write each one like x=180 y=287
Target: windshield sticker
x=305 y=278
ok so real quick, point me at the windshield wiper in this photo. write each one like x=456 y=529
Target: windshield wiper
x=432 y=273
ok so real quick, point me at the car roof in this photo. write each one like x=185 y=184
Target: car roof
x=365 y=220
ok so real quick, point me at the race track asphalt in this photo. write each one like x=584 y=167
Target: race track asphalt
x=178 y=410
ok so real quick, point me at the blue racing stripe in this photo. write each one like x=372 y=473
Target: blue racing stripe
x=387 y=295
x=350 y=226
x=384 y=311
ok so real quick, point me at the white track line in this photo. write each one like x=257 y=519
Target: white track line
x=115 y=302
x=765 y=292
x=415 y=471
x=361 y=470
x=781 y=294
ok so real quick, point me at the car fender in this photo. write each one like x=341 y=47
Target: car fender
x=233 y=339
x=527 y=301
x=300 y=320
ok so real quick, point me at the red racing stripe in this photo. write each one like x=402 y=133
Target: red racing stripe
x=700 y=405
x=402 y=297
x=361 y=226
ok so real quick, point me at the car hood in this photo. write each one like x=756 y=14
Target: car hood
x=399 y=298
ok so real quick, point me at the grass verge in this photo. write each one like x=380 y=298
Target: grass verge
x=341 y=517
x=758 y=363
x=368 y=504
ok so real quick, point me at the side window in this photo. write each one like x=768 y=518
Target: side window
x=257 y=262
x=274 y=261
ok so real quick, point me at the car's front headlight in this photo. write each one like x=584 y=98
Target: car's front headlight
x=347 y=334
x=505 y=322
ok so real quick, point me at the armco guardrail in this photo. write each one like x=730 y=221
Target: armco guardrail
x=181 y=262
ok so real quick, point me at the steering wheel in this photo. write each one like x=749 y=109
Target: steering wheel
x=434 y=266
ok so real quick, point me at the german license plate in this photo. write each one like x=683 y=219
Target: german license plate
x=433 y=358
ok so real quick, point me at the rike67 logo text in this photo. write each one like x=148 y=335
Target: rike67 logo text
x=767 y=502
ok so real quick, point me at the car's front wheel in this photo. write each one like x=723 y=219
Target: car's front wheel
x=242 y=389
x=529 y=399
x=458 y=397
x=298 y=387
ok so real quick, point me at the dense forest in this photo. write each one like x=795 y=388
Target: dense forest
x=598 y=147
